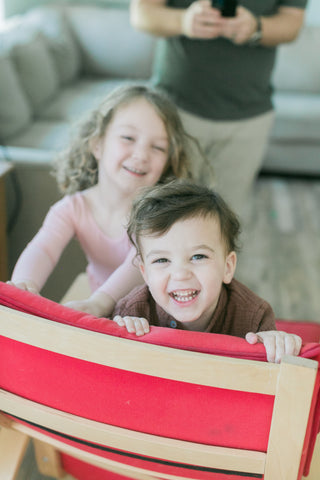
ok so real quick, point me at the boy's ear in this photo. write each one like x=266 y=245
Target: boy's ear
x=230 y=267
x=142 y=270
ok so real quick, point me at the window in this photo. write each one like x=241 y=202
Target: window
x=1 y=11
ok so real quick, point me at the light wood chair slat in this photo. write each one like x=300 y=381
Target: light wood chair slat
x=164 y=362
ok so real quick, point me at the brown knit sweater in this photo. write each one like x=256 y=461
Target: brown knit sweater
x=238 y=311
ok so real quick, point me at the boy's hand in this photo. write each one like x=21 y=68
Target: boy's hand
x=277 y=344
x=137 y=325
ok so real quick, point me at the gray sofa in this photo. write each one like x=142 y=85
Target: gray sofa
x=294 y=146
x=58 y=61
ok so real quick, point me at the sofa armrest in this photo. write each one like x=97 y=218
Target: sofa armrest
x=26 y=156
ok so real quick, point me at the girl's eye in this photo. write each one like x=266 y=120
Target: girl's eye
x=160 y=149
x=199 y=256
x=128 y=138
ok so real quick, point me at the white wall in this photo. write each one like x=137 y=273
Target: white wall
x=1 y=11
x=313 y=12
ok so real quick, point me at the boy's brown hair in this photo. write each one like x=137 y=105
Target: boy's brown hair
x=158 y=208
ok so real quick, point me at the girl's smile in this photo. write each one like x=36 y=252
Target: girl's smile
x=134 y=171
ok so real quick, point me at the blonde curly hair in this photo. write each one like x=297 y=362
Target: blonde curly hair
x=76 y=168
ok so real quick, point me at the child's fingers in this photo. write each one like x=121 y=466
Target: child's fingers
x=252 y=338
x=119 y=320
x=292 y=344
x=136 y=325
x=140 y=325
x=145 y=325
x=276 y=343
x=24 y=286
x=280 y=347
x=270 y=344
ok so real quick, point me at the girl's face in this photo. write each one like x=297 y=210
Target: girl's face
x=134 y=150
x=185 y=268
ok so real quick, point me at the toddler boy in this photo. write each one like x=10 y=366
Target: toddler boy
x=186 y=240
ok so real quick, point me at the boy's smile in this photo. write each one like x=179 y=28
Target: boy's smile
x=185 y=297
x=185 y=268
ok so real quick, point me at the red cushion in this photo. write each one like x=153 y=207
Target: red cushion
x=308 y=331
x=199 y=414
x=216 y=344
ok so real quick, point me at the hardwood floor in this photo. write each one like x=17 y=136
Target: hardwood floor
x=29 y=470
x=280 y=257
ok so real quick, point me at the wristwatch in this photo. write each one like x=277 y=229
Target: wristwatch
x=257 y=35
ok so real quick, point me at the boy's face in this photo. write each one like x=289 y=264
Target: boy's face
x=185 y=268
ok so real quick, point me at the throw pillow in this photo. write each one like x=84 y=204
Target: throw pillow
x=15 y=111
x=51 y=21
x=36 y=70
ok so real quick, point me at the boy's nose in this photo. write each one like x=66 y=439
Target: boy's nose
x=181 y=272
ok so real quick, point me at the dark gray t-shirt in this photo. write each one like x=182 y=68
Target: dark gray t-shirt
x=216 y=79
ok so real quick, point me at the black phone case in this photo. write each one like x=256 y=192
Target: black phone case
x=227 y=7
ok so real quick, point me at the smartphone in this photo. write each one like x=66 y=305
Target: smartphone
x=227 y=7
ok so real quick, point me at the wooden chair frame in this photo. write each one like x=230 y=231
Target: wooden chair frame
x=291 y=382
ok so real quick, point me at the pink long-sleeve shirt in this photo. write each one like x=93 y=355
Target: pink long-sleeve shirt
x=71 y=217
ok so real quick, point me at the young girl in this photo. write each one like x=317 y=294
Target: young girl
x=134 y=139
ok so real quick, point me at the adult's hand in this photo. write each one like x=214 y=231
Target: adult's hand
x=202 y=21
x=240 y=28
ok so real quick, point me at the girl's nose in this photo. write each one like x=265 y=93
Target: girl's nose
x=140 y=153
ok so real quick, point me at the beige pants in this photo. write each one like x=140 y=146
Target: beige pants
x=234 y=152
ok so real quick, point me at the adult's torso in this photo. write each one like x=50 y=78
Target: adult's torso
x=217 y=79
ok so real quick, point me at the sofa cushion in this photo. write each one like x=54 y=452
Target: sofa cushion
x=36 y=69
x=15 y=111
x=298 y=117
x=118 y=50
x=43 y=135
x=79 y=98
x=297 y=67
x=51 y=22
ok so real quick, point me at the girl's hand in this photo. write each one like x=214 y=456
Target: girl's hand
x=137 y=325
x=25 y=285
x=277 y=343
x=99 y=304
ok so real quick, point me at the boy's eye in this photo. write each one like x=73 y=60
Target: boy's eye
x=160 y=260
x=199 y=256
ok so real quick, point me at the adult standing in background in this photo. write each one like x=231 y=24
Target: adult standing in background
x=218 y=71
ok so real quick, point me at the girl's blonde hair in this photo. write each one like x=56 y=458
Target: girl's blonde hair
x=77 y=169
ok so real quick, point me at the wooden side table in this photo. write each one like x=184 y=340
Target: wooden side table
x=4 y=169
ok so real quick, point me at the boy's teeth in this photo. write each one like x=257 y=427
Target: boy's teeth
x=184 y=296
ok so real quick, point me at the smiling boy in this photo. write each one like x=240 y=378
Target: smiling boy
x=186 y=240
